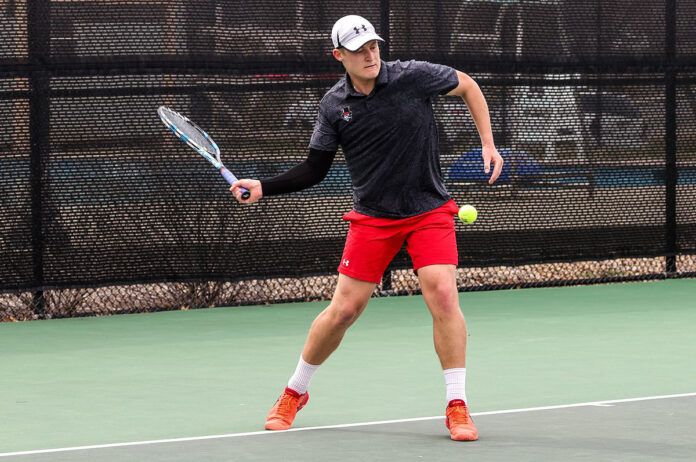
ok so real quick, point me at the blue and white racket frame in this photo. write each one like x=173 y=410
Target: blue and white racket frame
x=213 y=158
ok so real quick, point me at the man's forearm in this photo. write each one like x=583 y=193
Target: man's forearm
x=478 y=108
x=301 y=176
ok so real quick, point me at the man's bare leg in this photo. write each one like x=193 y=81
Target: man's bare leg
x=327 y=331
x=329 y=327
x=439 y=286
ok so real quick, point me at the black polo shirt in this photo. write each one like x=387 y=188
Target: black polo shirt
x=389 y=138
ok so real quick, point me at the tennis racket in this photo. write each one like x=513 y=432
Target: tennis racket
x=194 y=136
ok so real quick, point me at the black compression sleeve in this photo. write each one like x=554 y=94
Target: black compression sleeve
x=301 y=176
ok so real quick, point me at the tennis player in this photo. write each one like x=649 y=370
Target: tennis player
x=381 y=114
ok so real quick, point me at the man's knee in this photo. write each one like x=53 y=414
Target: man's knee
x=449 y=316
x=349 y=300
x=442 y=297
x=346 y=312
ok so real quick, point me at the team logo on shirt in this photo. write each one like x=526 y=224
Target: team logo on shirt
x=346 y=114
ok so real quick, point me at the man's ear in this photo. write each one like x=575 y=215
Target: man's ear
x=337 y=54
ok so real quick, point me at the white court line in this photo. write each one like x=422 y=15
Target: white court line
x=327 y=427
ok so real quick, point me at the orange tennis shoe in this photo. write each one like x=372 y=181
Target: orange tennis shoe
x=283 y=412
x=459 y=422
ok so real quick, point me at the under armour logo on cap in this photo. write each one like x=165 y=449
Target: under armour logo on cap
x=351 y=32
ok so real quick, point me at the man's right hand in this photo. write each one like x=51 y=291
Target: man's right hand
x=254 y=187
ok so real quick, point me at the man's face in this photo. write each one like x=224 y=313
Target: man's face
x=364 y=63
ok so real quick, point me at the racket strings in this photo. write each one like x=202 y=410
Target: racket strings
x=191 y=131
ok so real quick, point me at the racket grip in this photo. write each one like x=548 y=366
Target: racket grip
x=231 y=179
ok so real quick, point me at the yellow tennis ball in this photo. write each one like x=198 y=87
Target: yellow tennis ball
x=467 y=213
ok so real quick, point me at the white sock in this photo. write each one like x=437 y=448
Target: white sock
x=303 y=374
x=455 y=379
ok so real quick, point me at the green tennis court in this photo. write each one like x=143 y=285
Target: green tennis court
x=566 y=367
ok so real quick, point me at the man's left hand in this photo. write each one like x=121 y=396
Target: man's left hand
x=490 y=155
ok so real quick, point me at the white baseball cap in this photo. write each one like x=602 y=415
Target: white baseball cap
x=351 y=32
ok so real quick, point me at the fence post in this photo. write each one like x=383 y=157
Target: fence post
x=384 y=29
x=39 y=37
x=670 y=136
x=387 y=281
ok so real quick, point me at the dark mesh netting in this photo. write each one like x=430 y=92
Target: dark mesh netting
x=103 y=210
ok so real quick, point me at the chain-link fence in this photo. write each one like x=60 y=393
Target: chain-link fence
x=593 y=105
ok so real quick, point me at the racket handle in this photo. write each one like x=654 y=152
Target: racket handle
x=231 y=179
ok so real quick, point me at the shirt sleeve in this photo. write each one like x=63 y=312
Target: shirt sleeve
x=325 y=136
x=301 y=176
x=435 y=79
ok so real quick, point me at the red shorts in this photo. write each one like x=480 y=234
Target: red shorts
x=373 y=242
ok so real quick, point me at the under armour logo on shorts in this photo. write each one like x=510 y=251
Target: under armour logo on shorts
x=345 y=262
